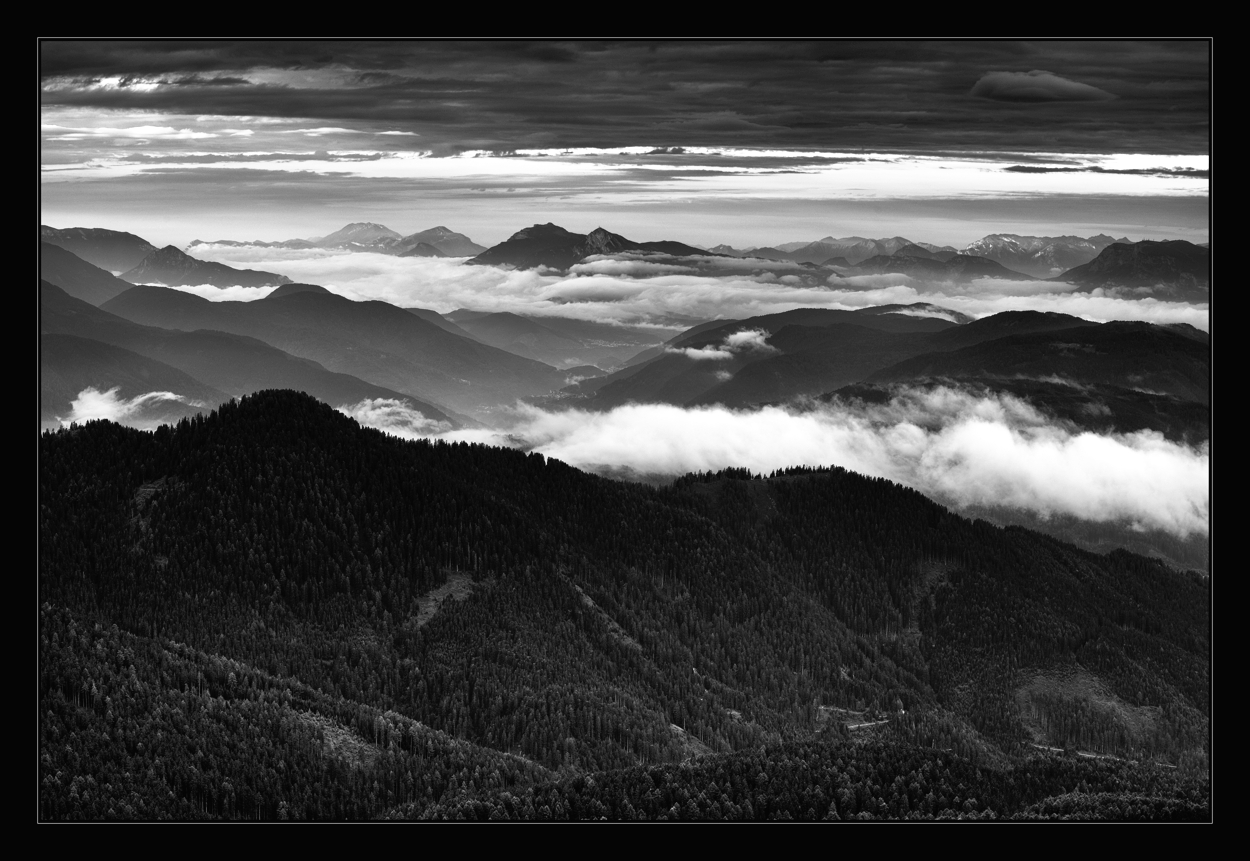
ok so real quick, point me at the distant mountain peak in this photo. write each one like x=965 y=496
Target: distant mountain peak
x=542 y=231
x=359 y=231
x=173 y=267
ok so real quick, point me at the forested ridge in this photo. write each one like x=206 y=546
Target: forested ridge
x=231 y=626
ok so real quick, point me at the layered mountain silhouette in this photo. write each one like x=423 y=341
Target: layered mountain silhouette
x=1040 y=256
x=376 y=341
x=813 y=351
x=359 y=233
x=558 y=341
x=803 y=350
x=914 y=250
x=69 y=364
x=377 y=238
x=171 y=267
x=77 y=277
x=1037 y=256
x=232 y=364
x=447 y=242
x=919 y=309
x=556 y=248
x=959 y=268
x=1134 y=356
x=1172 y=269
x=111 y=250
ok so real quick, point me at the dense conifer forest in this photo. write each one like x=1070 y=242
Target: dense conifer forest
x=272 y=613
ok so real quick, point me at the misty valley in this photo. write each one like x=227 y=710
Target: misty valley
x=644 y=430
x=307 y=556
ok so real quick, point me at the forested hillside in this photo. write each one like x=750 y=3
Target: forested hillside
x=271 y=612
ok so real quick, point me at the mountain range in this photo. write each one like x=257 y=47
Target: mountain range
x=83 y=346
x=1035 y=256
x=376 y=238
x=387 y=345
x=471 y=366
x=562 y=342
x=959 y=268
x=171 y=267
x=556 y=248
x=1175 y=269
x=1041 y=256
x=111 y=250
x=253 y=605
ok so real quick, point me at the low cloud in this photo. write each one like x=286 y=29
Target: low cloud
x=629 y=267
x=961 y=449
x=394 y=417
x=92 y=404
x=674 y=300
x=747 y=340
x=226 y=294
x=1035 y=86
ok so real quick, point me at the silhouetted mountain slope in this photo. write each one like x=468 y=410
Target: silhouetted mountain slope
x=1098 y=407
x=68 y=364
x=440 y=321
x=77 y=277
x=554 y=247
x=812 y=351
x=1128 y=355
x=275 y=553
x=421 y=249
x=375 y=341
x=557 y=341
x=297 y=244
x=233 y=364
x=827 y=345
x=914 y=250
x=849 y=250
x=1040 y=256
x=810 y=360
x=378 y=239
x=1169 y=270
x=288 y=289
x=767 y=253
x=173 y=268
x=919 y=309
x=1003 y=324
x=447 y=242
x=959 y=268
x=360 y=233
x=111 y=250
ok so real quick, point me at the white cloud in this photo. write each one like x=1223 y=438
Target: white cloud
x=395 y=417
x=745 y=340
x=146 y=132
x=226 y=294
x=445 y=284
x=93 y=404
x=960 y=449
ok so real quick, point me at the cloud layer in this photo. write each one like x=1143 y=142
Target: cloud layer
x=92 y=404
x=958 y=448
x=394 y=417
x=674 y=299
x=665 y=95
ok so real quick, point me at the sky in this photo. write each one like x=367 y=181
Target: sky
x=744 y=143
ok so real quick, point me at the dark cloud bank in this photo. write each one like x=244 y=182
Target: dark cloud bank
x=1084 y=96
